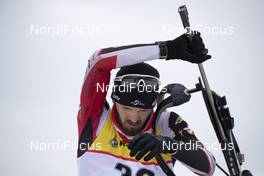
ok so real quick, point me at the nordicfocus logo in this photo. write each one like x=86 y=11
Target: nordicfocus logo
x=137 y=102
x=129 y=87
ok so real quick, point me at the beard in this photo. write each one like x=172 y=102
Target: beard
x=131 y=129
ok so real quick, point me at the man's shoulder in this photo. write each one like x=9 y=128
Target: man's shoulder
x=167 y=115
x=167 y=120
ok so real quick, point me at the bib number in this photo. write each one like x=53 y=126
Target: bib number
x=126 y=171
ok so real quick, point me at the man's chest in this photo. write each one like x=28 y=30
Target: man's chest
x=109 y=155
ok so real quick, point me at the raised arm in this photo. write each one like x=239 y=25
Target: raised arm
x=97 y=78
x=101 y=63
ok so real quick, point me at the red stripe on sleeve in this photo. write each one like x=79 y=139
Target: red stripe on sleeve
x=92 y=98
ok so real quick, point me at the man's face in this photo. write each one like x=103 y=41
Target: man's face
x=132 y=119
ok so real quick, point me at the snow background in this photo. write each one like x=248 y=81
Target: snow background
x=41 y=74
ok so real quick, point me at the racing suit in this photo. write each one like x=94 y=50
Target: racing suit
x=102 y=144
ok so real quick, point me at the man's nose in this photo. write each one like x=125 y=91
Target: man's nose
x=134 y=117
x=134 y=120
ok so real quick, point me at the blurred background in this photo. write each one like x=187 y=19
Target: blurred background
x=45 y=46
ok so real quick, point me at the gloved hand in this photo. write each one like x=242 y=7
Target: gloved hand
x=183 y=48
x=143 y=143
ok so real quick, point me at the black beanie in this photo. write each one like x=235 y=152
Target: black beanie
x=135 y=98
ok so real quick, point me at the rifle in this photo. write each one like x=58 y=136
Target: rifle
x=218 y=111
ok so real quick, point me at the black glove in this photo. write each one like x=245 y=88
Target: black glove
x=178 y=93
x=143 y=143
x=192 y=50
